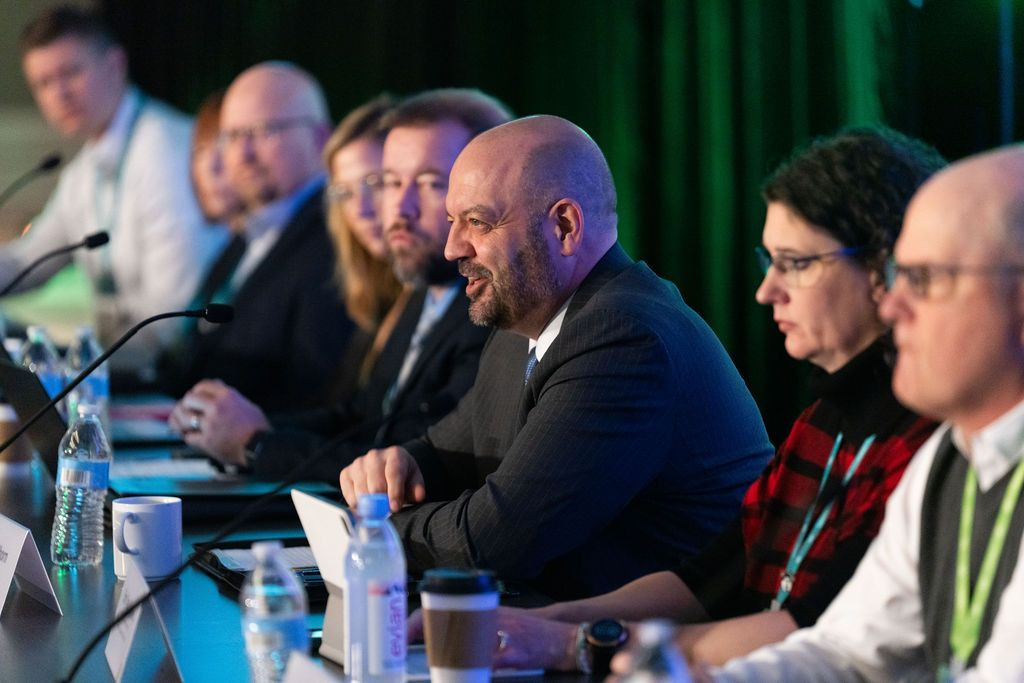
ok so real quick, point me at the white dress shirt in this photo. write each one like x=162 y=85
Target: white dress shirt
x=263 y=228
x=873 y=630
x=550 y=332
x=134 y=183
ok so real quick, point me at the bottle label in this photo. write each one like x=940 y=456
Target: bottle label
x=85 y=474
x=386 y=620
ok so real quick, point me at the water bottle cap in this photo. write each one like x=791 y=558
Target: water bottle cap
x=35 y=331
x=373 y=506
x=85 y=409
x=653 y=631
x=266 y=549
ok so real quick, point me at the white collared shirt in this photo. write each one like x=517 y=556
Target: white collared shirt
x=546 y=338
x=134 y=182
x=264 y=227
x=873 y=629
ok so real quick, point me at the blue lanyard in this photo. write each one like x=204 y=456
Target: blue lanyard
x=106 y=220
x=808 y=532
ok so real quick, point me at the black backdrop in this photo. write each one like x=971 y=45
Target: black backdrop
x=693 y=101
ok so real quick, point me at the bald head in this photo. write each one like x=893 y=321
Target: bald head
x=549 y=159
x=532 y=205
x=274 y=121
x=981 y=198
x=958 y=312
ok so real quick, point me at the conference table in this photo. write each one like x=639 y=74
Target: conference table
x=202 y=621
x=201 y=617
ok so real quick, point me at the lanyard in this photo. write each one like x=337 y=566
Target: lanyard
x=966 y=626
x=106 y=220
x=808 y=533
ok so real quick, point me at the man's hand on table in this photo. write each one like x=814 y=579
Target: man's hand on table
x=384 y=470
x=218 y=420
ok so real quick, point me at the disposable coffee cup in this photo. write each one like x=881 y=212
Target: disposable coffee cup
x=147 y=529
x=460 y=621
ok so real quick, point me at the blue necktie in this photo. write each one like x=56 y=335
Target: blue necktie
x=531 y=363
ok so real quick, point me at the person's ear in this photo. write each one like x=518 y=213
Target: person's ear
x=567 y=217
x=878 y=286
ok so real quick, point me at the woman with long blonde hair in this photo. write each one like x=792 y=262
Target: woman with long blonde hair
x=352 y=156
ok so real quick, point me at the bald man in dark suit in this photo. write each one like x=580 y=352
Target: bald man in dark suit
x=608 y=432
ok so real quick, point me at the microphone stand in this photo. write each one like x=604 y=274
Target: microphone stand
x=45 y=166
x=295 y=475
x=92 y=241
x=214 y=312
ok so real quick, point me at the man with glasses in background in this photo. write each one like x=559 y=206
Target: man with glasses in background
x=290 y=325
x=938 y=594
x=130 y=179
x=430 y=358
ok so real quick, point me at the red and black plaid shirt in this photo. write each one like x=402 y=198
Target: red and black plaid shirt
x=856 y=401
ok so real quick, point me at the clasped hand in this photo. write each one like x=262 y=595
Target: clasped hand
x=384 y=470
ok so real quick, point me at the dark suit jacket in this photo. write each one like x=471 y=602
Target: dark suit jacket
x=444 y=371
x=632 y=444
x=290 y=326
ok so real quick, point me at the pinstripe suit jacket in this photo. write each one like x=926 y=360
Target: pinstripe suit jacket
x=630 y=446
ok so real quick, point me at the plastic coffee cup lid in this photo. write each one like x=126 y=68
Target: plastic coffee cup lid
x=458 y=581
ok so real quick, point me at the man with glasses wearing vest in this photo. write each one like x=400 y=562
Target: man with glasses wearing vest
x=938 y=595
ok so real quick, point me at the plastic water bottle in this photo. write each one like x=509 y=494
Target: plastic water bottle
x=94 y=389
x=40 y=356
x=273 y=614
x=655 y=658
x=375 y=600
x=83 y=467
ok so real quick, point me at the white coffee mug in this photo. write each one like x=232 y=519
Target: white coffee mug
x=147 y=529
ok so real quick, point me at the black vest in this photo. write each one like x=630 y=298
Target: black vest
x=940 y=528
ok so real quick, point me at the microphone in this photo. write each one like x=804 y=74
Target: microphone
x=97 y=239
x=296 y=473
x=48 y=163
x=214 y=313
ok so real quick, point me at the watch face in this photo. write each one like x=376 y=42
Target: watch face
x=607 y=632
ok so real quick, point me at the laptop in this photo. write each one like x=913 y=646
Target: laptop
x=142 y=471
x=328 y=527
x=26 y=393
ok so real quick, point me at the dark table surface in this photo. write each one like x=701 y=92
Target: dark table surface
x=202 y=618
x=203 y=623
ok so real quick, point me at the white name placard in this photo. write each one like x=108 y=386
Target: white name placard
x=119 y=642
x=302 y=669
x=20 y=557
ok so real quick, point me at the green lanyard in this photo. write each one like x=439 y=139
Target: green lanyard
x=966 y=627
x=808 y=534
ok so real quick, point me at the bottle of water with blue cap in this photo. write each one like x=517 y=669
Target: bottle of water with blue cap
x=83 y=468
x=273 y=614
x=375 y=597
x=94 y=389
x=41 y=357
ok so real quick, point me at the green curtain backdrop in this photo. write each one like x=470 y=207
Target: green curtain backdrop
x=693 y=101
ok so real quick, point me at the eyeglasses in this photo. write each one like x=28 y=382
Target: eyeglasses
x=802 y=271
x=936 y=280
x=342 y=193
x=262 y=131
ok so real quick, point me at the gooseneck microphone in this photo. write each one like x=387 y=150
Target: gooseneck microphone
x=97 y=239
x=48 y=163
x=214 y=313
x=296 y=473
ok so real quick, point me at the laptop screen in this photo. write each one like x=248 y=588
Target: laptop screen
x=25 y=392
